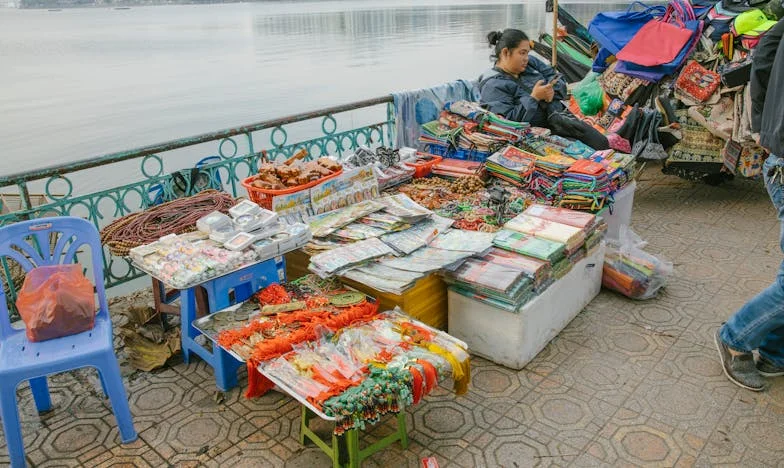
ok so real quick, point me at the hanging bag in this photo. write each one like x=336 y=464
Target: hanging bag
x=697 y=82
x=654 y=74
x=646 y=140
x=659 y=41
x=614 y=29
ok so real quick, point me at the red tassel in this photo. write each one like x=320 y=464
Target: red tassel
x=416 y=384
x=258 y=385
x=431 y=375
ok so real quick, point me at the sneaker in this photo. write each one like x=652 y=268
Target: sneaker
x=768 y=369
x=740 y=369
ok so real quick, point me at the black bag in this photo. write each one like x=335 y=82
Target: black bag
x=735 y=73
x=646 y=141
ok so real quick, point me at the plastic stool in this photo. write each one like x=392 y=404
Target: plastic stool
x=242 y=283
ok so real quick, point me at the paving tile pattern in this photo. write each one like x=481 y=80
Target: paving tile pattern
x=627 y=383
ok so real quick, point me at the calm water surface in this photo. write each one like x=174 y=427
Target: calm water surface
x=83 y=82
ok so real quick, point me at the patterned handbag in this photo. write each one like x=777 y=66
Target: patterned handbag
x=697 y=82
x=619 y=85
x=698 y=145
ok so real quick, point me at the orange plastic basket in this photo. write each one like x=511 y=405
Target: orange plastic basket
x=423 y=169
x=263 y=197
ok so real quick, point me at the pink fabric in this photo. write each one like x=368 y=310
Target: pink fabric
x=619 y=143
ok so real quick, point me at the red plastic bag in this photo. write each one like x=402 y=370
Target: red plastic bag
x=56 y=301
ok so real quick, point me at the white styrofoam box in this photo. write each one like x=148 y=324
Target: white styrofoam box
x=514 y=339
x=621 y=211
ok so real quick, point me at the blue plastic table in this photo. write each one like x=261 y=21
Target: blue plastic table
x=223 y=292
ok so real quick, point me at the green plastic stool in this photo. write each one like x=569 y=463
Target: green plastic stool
x=349 y=441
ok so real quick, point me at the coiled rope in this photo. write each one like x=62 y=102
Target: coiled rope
x=175 y=217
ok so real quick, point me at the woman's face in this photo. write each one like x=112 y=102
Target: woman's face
x=516 y=60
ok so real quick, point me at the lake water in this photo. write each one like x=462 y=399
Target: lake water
x=78 y=83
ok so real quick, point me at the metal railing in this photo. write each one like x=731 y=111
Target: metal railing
x=239 y=151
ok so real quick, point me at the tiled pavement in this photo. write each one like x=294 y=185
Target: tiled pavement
x=626 y=383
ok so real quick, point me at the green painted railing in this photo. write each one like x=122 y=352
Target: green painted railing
x=231 y=155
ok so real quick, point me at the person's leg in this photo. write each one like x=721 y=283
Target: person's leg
x=771 y=351
x=564 y=123
x=755 y=322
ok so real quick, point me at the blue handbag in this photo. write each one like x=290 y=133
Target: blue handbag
x=613 y=29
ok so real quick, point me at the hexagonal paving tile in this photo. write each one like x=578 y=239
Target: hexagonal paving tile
x=74 y=438
x=442 y=420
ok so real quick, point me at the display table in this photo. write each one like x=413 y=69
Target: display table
x=426 y=301
x=514 y=339
x=621 y=213
x=375 y=340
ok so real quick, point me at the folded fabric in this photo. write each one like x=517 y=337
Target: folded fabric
x=571 y=236
x=531 y=246
x=578 y=219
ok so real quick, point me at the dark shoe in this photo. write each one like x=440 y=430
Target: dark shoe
x=768 y=369
x=740 y=369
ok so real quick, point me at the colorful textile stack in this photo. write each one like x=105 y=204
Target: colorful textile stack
x=572 y=237
x=538 y=271
x=512 y=165
x=500 y=284
x=585 y=185
x=457 y=168
x=529 y=245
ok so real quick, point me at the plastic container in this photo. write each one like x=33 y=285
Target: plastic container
x=423 y=169
x=214 y=222
x=263 y=197
x=245 y=207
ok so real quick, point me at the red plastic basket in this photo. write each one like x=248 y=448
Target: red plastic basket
x=263 y=197
x=423 y=169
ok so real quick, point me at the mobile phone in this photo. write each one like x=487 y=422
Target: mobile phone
x=557 y=77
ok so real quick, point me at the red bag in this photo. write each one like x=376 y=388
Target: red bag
x=659 y=41
x=697 y=82
x=56 y=301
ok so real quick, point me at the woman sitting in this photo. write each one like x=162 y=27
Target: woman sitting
x=525 y=89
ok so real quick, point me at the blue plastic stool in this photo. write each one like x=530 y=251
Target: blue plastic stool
x=22 y=360
x=243 y=284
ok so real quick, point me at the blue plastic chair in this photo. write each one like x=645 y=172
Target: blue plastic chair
x=21 y=359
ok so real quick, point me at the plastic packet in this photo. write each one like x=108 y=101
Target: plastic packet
x=631 y=271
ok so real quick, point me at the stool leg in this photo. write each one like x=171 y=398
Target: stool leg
x=335 y=451
x=187 y=316
x=303 y=424
x=43 y=400
x=11 y=427
x=225 y=369
x=352 y=438
x=402 y=430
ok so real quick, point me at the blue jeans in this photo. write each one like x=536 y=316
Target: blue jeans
x=759 y=324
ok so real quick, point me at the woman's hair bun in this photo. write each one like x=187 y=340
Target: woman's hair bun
x=493 y=37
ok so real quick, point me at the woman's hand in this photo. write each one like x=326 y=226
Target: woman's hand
x=543 y=92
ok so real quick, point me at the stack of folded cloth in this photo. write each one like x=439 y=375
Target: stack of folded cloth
x=439 y=133
x=497 y=284
x=584 y=185
x=538 y=271
x=572 y=237
x=619 y=166
x=530 y=246
x=592 y=226
x=457 y=168
x=548 y=170
x=512 y=165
